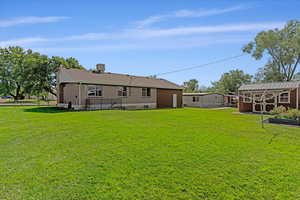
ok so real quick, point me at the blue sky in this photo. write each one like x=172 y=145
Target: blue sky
x=145 y=37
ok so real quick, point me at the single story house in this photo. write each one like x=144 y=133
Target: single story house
x=267 y=96
x=203 y=100
x=97 y=89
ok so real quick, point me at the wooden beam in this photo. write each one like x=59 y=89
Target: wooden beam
x=297 y=98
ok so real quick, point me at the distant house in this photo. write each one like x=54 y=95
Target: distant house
x=203 y=100
x=267 y=96
x=97 y=89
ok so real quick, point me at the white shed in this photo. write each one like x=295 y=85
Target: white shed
x=203 y=100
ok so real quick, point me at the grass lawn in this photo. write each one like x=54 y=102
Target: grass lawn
x=33 y=101
x=151 y=154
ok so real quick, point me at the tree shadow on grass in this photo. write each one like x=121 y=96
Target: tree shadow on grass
x=46 y=110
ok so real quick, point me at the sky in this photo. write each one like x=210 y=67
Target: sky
x=146 y=37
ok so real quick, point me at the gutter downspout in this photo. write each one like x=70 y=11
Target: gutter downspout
x=79 y=94
x=297 y=98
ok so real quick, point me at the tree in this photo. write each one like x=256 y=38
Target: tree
x=191 y=86
x=231 y=81
x=27 y=72
x=153 y=76
x=13 y=71
x=269 y=73
x=297 y=77
x=283 y=47
x=55 y=63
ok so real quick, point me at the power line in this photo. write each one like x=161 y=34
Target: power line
x=200 y=66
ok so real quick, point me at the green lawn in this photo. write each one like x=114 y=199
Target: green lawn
x=150 y=154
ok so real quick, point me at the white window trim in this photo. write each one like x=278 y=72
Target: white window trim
x=244 y=98
x=95 y=90
x=289 y=97
x=197 y=99
x=122 y=91
x=146 y=92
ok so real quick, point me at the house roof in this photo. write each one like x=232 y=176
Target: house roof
x=271 y=86
x=200 y=94
x=107 y=78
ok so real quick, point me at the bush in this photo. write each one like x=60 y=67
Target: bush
x=278 y=111
x=293 y=114
x=282 y=112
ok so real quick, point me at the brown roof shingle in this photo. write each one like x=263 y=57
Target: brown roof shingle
x=89 y=77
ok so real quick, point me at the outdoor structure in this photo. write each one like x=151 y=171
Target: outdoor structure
x=203 y=100
x=230 y=100
x=267 y=96
x=97 y=89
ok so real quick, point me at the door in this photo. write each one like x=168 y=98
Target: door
x=264 y=102
x=174 y=100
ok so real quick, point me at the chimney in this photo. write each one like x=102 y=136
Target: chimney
x=100 y=68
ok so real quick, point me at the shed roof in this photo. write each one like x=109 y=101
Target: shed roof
x=200 y=94
x=271 y=86
x=107 y=78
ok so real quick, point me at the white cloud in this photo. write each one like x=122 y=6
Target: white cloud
x=22 y=41
x=179 y=31
x=140 y=34
x=148 y=33
x=157 y=44
x=31 y=20
x=188 y=13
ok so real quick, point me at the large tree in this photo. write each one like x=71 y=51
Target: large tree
x=281 y=45
x=269 y=73
x=26 y=72
x=55 y=63
x=231 y=81
x=13 y=71
x=191 y=86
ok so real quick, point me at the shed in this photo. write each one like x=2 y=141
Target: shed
x=203 y=100
x=267 y=96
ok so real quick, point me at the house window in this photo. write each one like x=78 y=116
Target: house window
x=123 y=91
x=247 y=98
x=195 y=99
x=146 y=92
x=94 y=90
x=284 y=97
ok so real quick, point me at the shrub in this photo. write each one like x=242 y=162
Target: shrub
x=293 y=114
x=278 y=111
x=282 y=112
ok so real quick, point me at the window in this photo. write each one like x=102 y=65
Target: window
x=284 y=97
x=123 y=91
x=247 y=98
x=258 y=98
x=94 y=90
x=146 y=92
x=195 y=99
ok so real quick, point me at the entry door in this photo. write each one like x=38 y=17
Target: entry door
x=174 y=100
x=264 y=102
x=258 y=103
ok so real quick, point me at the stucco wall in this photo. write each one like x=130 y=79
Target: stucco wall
x=71 y=94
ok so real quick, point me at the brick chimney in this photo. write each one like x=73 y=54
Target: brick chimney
x=100 y=68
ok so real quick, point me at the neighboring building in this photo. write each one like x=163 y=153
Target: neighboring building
x=82 y=89
x=203 y=100
x=267 y=96
x=231 y=100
